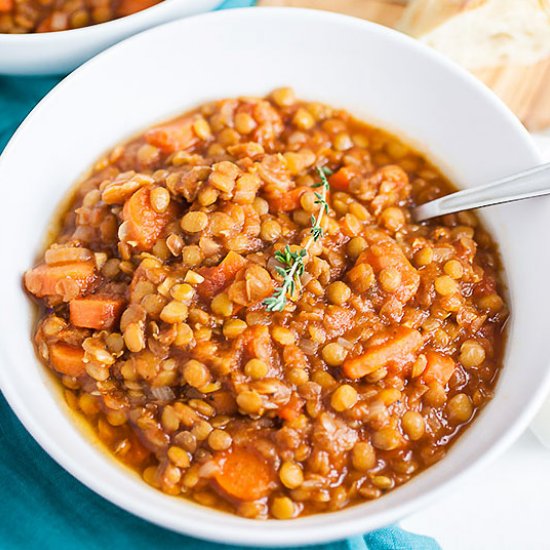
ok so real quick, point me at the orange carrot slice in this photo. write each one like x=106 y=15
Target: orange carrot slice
x=439 y=368
x=340 y=180
x=97 y=312
x=218 y=277
x=6 y=5
x=43 y=280
x=173 y=136
x=67 y=359
x=243 y=474
x=292 y=409
x=397 y=351
x=144 y=224
x=287 y=202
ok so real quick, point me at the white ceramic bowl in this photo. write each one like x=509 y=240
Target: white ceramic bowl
x=61 y=52
x=378 y=74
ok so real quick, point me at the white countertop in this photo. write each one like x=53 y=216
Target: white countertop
x=505 y=506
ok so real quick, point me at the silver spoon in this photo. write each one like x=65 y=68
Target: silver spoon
x=524 y=185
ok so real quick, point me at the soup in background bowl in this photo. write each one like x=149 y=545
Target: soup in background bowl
x=37 y=38
x=28 y=16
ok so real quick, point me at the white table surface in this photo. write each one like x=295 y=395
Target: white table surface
x=505 y=506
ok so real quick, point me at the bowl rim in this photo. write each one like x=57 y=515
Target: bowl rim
x=330 y=530
x=91 y=30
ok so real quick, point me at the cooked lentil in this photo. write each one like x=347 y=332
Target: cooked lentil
x=152 y=310
x=28 y=16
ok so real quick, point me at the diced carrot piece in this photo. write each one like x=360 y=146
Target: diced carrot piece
x=137 y=453
x=292 y=409
x=398 y=350
x=223 y=401
x=97 y=312
x=6 y=5
x=439 y=368
x=258 y=343
x=340 y=180
x=43 y=280
x=288 y=201
x=233 y=262
x=67 y=359
x=215 y=279
x=218 y=277
x=173 y=136
x=144 y=224
x=127 y=7
x=243 y=474
x=383 y=253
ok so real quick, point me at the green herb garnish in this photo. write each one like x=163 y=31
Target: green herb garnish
x=292 y=263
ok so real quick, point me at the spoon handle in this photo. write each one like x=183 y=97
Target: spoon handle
x=524 y=185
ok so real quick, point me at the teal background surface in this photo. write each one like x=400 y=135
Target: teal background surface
x=44 y=507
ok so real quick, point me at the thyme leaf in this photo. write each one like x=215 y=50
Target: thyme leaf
x=293 y=261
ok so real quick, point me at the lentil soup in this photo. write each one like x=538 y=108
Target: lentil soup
x=29 y=16
x=157 y=316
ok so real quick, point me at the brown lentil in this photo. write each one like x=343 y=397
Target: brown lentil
x=291 y=475
x=460 y=408
x=193 y=222
x=233 y=328
x=445 y=285
x=472 y=354
x=338 y=293
x=282 y=508
x=219 y=440
x=160 y=199
x=413 y=425
x=343 y=398
x=174 y=312
x=256 y=369
x=334 y=354
x=195 y=373
x=363 y=456
x=284 y=97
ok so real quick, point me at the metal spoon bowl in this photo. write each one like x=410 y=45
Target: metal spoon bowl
x=534 y=182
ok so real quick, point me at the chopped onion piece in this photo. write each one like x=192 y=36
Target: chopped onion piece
x=66 y=254
x=345 y=343
x=164 y=393
x=309 y=347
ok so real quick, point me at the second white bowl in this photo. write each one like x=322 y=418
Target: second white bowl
x=61 y=52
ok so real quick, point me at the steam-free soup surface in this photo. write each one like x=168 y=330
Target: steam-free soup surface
x=154 y=317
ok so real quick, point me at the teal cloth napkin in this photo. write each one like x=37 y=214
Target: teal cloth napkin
x=43 y=506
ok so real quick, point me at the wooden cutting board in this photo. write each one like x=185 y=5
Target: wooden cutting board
x=525 y=89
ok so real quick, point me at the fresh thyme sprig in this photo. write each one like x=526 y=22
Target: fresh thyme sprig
x=293 y=262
